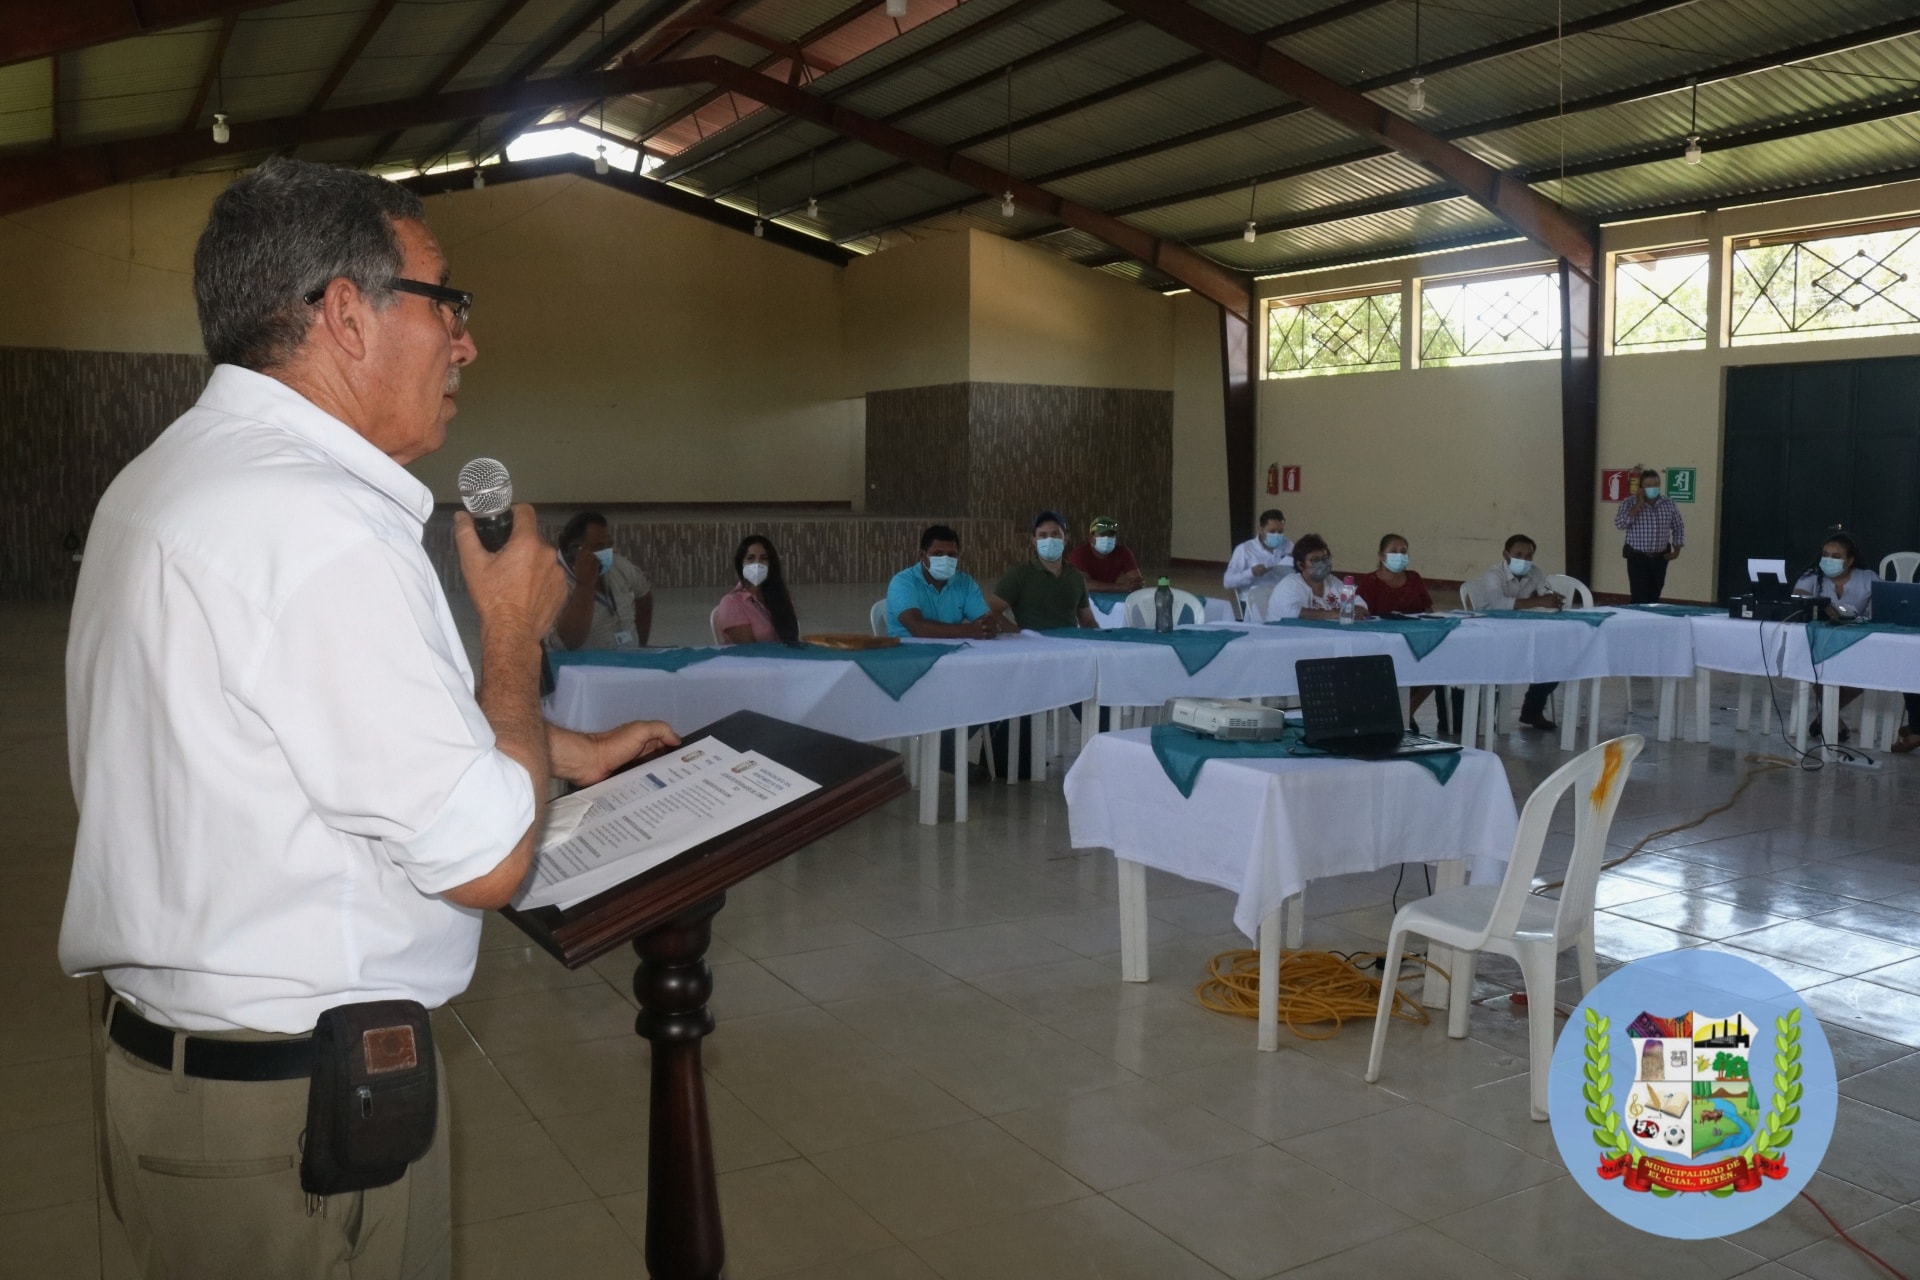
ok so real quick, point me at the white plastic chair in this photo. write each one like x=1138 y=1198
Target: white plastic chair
x=1258 y=596
x=1140 y=606
x=713 y=625
x=1899 y=566
x=1575 y=594
x=1471 y=599
x=1508 y=919
x=877 y=618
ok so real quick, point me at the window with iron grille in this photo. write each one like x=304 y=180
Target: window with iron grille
x=1660 y=301
x=1514 y=317
x=1334 y=335
x=1857 y=283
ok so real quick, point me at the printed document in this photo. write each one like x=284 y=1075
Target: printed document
x=610 y=832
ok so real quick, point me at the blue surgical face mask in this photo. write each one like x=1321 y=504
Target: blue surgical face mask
x=1396 y=562
x=605 y=556
x=1652 y=491
x=1273 y=540
x=1050 y=549
x=943 y=567
x=1319 y=569
x=1519 y=568
x=1105 y=544
x=1832 y=567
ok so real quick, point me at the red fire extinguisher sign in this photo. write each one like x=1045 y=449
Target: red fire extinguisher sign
x=1289 y=479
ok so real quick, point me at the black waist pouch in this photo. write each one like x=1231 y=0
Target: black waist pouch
x=373 y=1101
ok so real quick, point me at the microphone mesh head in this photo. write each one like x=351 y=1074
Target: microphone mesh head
x=485 y=487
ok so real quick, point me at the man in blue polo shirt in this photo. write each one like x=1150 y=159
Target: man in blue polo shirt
x=933 y=599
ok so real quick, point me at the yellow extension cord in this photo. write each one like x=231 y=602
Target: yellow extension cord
x=1318 y=987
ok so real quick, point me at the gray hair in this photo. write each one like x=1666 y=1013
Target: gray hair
x=281 y=231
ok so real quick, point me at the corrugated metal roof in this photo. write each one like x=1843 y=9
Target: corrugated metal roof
x=26 y=105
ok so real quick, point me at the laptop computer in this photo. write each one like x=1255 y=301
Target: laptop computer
x=1351 y=707
x=1897 y=602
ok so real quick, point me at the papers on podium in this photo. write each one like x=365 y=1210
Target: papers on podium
x=610 y=832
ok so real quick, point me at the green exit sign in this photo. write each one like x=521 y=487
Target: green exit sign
x=1680 y=483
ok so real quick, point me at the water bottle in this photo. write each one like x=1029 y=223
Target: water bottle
x=1346 y=601
x=1163 y=606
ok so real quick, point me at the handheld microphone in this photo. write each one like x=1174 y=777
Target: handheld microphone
x=487 y=492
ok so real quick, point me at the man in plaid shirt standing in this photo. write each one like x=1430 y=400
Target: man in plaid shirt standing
x=1655 y=533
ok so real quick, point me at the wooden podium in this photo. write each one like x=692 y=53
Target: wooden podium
x=667 y=913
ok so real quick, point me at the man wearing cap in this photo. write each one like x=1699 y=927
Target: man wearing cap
x=1108 y=566
x=1046 y=592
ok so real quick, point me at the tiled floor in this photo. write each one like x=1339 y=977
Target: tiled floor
x=926 y=1065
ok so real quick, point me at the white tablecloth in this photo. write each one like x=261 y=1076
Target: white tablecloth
x=1883 y=660
x=1263 y=828
x=988 y=680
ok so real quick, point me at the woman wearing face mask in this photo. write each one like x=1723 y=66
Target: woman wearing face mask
x=1838 y=583
x=609 y=601
x=1394 y=588
x=1311 y=591
x=1838 y=580
x=758 y=609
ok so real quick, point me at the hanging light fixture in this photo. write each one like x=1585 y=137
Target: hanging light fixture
x=221 y=133
x=1252 y=231
x=813 y=207
x=759 y=228
x=479 y=179
x=1006 y=199
x=1417 y=87
x=813 y=201
x=896 y=8
x=600 y=159
x=1692 y=155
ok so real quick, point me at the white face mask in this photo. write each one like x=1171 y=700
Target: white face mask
x=942 y=567
x=755 y=574
x=1105 y=544
x=1050 y=549
x=1519 y=568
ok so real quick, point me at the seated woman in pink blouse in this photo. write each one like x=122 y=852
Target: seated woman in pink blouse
x=758 y=608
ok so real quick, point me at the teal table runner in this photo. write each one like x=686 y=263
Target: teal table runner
x=1592 y=617
x=1182 y=754
x=1423 y=635
x=1195 y=649
x=1830 y=639
x=895 y=670
x=1677 y=610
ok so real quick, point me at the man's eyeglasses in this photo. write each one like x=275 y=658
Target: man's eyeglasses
x=458 y=302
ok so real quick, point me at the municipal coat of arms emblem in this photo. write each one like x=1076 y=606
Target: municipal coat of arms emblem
x=1695 y=1118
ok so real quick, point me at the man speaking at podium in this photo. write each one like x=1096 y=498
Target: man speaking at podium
x=290 y=798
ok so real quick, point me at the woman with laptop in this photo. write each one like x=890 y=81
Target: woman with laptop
x=1843 y=591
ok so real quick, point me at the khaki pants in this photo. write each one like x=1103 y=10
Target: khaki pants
x=205 y=1176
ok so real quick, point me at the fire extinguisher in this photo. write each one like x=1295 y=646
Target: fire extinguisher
x=1273 y=478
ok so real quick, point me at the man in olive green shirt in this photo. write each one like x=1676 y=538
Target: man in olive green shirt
x=1046 y=592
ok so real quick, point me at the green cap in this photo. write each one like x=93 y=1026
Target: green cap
x=1103 y=524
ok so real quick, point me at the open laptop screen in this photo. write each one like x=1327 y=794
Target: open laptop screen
x=1343 y=698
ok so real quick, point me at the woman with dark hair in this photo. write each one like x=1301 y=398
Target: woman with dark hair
x=759 y=607
x=609 y=601
x=1311 y=591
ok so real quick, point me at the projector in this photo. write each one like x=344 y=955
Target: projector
x=1227 y=720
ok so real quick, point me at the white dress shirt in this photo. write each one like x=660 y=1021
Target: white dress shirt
x=274 y=743
x=1296 y=593
x=1499 y=589
x=1239 y=575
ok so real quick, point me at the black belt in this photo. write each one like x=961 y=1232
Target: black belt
x=210 y=1059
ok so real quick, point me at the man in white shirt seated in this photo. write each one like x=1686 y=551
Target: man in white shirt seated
x=609 y=600
x=291 y=799
x=1518 y=583
x=1311 y=592
x=1261 y=560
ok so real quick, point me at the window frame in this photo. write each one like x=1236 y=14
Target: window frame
x=1397 y=289
x=1533 y=271
x=1696 y=248
x=1732 y=268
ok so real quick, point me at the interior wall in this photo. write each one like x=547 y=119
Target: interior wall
x=1455 y=460
x=1038 y=319
x=632 y=353
x=1200 y=529
x=906 y=316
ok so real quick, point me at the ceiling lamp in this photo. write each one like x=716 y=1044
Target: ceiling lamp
x=479 y=179
x=600 y=159
x=1006 y=204
x=813 y=206
x=221 y=133
x=1006 y=200
x=1417 y=96
x=1251 y=233
x=1692 y=154
x=896 y=8
x=759 y=228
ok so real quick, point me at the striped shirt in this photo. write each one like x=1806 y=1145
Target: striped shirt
x=1651 y=527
